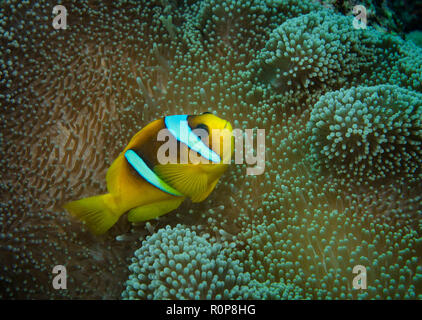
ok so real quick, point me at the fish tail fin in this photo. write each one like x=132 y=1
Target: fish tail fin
x=95 y=212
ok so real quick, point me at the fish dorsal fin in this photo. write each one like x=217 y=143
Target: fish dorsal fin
x=113 y=174
x=186 y=178
x=146 y=134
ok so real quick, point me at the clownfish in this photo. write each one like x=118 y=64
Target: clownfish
x=145 y=187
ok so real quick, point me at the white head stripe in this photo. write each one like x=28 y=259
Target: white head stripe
x=179 y=127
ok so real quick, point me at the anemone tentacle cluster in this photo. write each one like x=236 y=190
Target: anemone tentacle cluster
x=193 y=268
x=329 y=199
x=369 y=133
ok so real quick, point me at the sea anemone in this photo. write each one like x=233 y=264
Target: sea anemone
x=369 y=133
x=72 y=99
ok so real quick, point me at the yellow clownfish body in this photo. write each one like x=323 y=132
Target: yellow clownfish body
x=138 y=184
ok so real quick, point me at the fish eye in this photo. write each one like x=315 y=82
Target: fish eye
x=203 y=127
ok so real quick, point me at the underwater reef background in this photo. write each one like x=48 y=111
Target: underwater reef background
x=342 y=109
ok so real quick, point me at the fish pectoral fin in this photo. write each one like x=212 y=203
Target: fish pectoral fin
x=153 y=210
x=185 y=178
x=202 y=196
